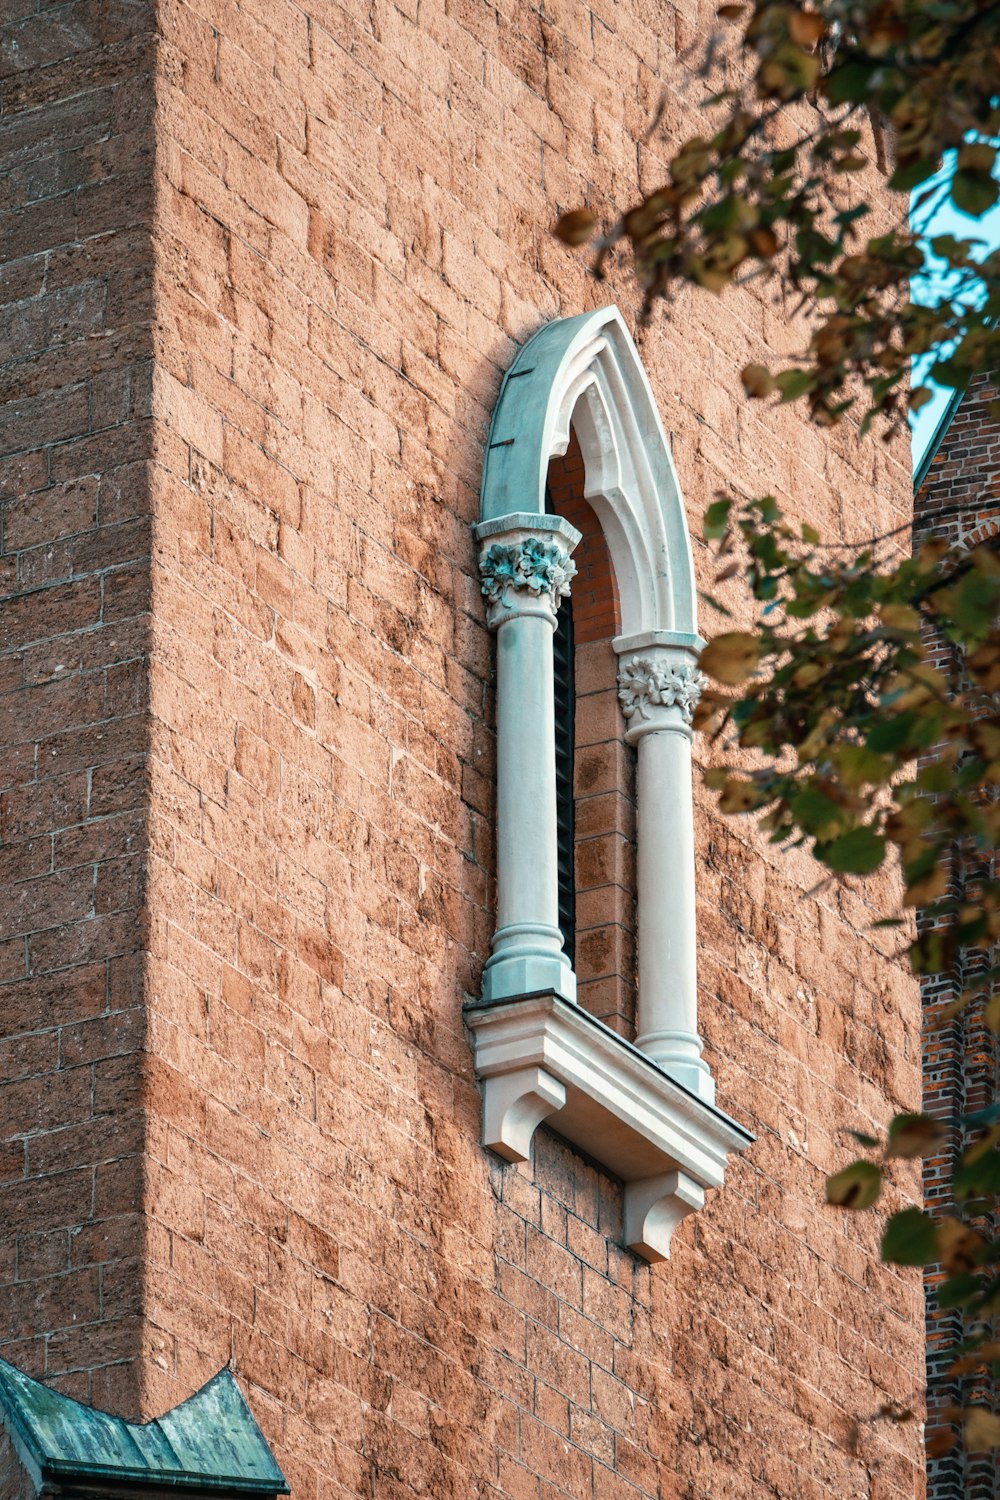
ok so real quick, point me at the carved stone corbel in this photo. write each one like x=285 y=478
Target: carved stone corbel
x=514 y=1105
x=541 y=1056
x=654 y=1206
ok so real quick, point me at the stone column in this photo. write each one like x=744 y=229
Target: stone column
x=526 y=570
x=659 y=685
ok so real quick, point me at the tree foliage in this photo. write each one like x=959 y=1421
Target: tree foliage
x=861 y=719
x=761 y=192
x=866 y=744
x=859 y=713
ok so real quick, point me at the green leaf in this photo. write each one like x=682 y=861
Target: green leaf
x=726 y=213
x=907 y=177
x=859 y=765
x=957 y=1291
x=977 y=157
x=793 y=383
x=910 y=1239
x=960 y=1248
x=717 y=519
x=979 y=1176
x=815 y=812
x=857 y=1186
x=951 y=372
x=731 y=657
x=971 y=602
x=915 y=1135
x=936 y=778
x=974 y=192
x=891 y=735
x=947 y=247
x=850 y=84
x=856 y=853
x=757 y=380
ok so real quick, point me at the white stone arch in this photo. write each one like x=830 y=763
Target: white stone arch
x=646 y=1110
x=586 y=372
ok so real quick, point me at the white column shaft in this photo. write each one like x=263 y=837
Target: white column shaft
x=658 y=693
x=527 y=849
x=526 y=571
x=668 y=991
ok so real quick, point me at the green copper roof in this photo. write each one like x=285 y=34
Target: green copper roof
x=210 y=1442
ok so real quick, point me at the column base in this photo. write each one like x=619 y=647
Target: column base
x=527 y=961
x=679 y=1055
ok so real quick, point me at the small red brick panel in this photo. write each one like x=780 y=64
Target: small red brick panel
x=959 y=502
x=596 y=612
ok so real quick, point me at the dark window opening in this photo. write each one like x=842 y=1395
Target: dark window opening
x=564 y=680
x=565 y=702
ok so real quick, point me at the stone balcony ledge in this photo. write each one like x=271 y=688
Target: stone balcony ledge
x=540 y=1057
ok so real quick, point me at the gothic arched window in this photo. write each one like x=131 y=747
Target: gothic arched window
x=645 y=1110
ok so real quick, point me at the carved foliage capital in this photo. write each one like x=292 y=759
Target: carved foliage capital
x=644 y=684
x=532 y=565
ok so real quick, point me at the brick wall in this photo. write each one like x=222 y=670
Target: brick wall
x=959 y=501
x=350 y=240
x=605 y=843
x=596 y=610
x=76 y=149
x=16 y=1484
x=604 y=768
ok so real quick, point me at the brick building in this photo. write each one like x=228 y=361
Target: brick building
x=265 y=266
x=957 y=498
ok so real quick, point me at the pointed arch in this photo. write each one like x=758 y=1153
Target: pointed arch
x=586 y=372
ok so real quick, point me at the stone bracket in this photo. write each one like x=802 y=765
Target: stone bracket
x=654 y=1206
x=540 y=1057
x=514 y=1105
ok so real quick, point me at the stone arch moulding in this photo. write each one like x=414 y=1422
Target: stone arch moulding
x=645 y=1111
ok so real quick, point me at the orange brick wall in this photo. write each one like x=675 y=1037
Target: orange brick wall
x=596 y=612
x=16 y=1483
x=350 y=240
x=605 y=865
